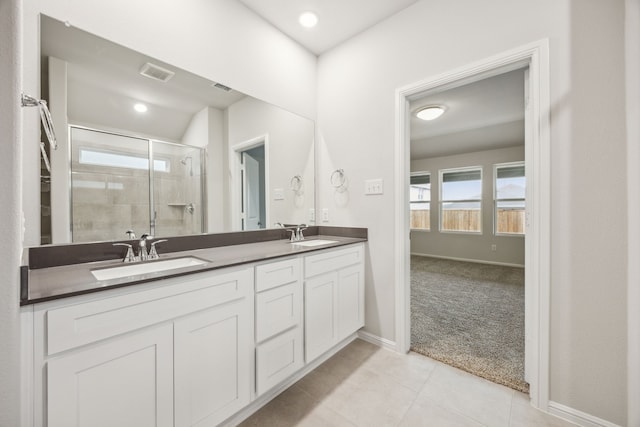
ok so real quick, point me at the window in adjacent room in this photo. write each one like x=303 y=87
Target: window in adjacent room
x=509 y=198
x=461 y=200
x=420 y=201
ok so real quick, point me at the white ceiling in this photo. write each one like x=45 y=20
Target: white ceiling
x=104 y=83
x=487 y=114
x=339 y=20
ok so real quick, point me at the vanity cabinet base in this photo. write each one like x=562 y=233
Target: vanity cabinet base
x=206 y=349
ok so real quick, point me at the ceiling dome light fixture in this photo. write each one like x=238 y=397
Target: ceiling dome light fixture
x=430 y=112
x=308 y=19
x=140 y=108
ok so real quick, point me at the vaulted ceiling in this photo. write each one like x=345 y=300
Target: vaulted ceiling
x=339 y=20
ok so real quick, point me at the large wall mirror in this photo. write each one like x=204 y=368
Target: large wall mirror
x=149 y=147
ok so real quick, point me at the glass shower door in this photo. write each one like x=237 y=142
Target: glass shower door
x=109 y=185
x=177 y=190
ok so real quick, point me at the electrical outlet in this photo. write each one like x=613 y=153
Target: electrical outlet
x=494 y=248
x=278 y=194
x=312 y=215
x=325 y=215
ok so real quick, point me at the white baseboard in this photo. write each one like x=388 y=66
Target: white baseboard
x=578 y=417
x=477 y=261
x=376 y=340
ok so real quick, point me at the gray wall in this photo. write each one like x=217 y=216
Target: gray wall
x=509 y=249
x=632 y=48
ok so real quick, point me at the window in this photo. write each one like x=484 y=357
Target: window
x=90 y=156
x=461 y=200
x=420 y=201
x=509 y=199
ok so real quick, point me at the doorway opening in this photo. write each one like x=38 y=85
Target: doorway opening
x=467 y=205
x=250 y=191
x=537 y=215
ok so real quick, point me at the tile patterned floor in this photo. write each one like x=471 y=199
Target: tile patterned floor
x=364 y=385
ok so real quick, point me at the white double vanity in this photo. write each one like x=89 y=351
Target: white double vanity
x=202 y=348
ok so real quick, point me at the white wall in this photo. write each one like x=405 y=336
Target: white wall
x=509 y=249
x=356 y=87
x=217 y=39
x=290 y=153
x=10 y=223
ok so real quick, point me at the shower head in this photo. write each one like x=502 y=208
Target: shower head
x=184 y=162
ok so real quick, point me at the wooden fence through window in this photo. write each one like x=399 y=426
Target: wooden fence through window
x=509 y=221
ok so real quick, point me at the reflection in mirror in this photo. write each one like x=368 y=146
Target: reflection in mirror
x=113 y=188
x=222 y=160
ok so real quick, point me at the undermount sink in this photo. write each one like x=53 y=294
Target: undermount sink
x=318 y=242
x=145 y=268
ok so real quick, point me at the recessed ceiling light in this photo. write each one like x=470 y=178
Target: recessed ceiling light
x=308 y=19
x=140 y=108
x=431 y=112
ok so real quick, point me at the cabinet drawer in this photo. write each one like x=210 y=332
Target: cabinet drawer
x=277 y=359
x=277 y=273
x=278 y=310
x=333 y=260
x=84 y=323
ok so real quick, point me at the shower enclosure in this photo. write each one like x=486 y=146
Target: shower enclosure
x=114 y=189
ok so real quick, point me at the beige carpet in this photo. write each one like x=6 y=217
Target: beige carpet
x=470 y=316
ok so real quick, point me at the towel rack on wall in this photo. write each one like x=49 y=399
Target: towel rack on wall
x=47 y=124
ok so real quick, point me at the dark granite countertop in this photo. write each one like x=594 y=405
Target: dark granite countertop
x=43 y=284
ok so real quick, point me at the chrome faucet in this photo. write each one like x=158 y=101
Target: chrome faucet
x=299 y=229
x=153 y=253
x=296 y=233
x=129 y=256
x=143 y=255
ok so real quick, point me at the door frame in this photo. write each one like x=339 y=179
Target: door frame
x=235 y=183
x=538 y=212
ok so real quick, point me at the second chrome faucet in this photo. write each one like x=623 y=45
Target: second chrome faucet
x=143 y=253
x=296 y=231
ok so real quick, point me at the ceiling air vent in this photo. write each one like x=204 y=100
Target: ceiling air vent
x=156 y=72
x=221 y=86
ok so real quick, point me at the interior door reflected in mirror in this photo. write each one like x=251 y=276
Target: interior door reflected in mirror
x=149 y=147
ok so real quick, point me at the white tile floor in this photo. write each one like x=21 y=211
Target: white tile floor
x=364 y=385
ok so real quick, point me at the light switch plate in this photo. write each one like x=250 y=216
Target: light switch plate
x=373 y=186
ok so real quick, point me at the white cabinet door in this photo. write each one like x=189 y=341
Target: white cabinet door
x=320 y=314
x=127 y=382
x=350 y=300
x=213 y=364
